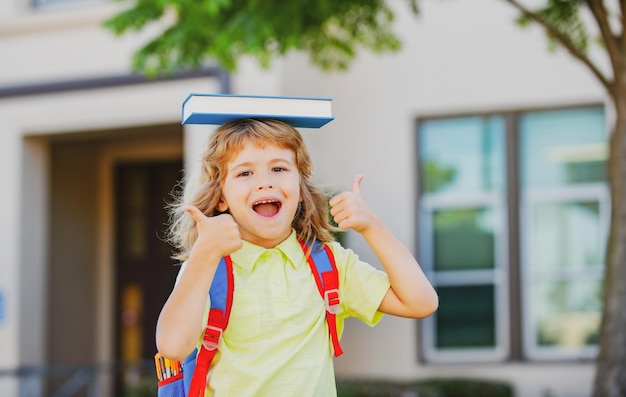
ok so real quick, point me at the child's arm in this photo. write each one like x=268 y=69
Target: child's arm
x=180 y=322
x=411 y=294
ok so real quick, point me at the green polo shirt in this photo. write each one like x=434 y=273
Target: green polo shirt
x=277 y=341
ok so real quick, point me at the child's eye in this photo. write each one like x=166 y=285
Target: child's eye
x=244 y=173
x=278 y=169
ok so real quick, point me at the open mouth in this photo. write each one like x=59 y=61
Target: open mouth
x=267 y=208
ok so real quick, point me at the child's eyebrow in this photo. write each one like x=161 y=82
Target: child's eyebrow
x=245 y=164
x=281 y=160
x=238 y=165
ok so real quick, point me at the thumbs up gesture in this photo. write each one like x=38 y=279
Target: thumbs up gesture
x=217 y=235
x=350 y=210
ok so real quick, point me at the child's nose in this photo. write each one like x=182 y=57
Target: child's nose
x=265 y=182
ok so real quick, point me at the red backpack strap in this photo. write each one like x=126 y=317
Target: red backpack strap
x=221 y=295
x=324 y=269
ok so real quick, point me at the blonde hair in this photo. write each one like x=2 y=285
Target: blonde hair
x=311 y=221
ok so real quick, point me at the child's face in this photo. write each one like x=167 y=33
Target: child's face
x=262 y=193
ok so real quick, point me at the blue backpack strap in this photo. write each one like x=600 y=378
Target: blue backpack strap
x=221 y=293
x=322 y=262
x=221 y=296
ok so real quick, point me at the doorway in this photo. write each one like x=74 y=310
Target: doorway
x=144 y=270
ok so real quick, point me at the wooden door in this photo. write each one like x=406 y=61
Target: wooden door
x=145 y=272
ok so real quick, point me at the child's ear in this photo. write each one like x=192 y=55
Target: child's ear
x=222 y=206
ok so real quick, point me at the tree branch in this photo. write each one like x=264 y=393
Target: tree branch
x=567 y=43
x=602 y=19
x=622 y=8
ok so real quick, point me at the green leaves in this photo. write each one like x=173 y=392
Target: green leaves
x=563 y=16
x=222 y=31
x=136 y=17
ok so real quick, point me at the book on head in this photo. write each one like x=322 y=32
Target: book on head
x=222 y=108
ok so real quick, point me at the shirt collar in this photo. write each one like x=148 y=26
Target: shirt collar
x=247 y=256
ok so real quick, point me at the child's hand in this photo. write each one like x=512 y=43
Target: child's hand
x=350 y=210
x=216 y=235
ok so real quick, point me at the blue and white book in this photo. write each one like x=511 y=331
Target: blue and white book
x=221 y=108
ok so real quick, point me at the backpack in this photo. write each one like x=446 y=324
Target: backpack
x=188 y=378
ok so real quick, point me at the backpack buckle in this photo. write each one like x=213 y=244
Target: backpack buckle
x=212 y=336
x=331 y=299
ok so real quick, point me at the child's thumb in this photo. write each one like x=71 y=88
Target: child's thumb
x=356 y=184
x=195 y=213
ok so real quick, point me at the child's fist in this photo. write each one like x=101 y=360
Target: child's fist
x=349 y=210
x=219 y=234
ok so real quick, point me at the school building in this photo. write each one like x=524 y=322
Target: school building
x=481 y=150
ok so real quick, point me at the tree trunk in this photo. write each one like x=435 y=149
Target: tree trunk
x=610 y=378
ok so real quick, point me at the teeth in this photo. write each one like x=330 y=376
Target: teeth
x=265 y=202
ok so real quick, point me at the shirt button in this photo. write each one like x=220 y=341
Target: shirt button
x=278 y=281
x=273 y=256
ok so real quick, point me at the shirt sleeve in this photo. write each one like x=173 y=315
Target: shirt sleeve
x=361 y=286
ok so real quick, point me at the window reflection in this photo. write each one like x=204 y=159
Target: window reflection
x=462 y=155
x=134 y=216
x=464 y=239
x=568 y=312
x=466 y=317
x=566 y=235
x=563 y=147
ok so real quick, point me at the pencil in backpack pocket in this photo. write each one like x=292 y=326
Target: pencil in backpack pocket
x=170 y=376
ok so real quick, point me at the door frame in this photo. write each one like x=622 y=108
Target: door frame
x=140 y=150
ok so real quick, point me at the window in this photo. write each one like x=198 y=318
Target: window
x=564 y=224
x=463 y=236
x=552 y=162
x=45 y=3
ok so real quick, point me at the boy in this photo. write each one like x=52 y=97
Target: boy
x=255 y=201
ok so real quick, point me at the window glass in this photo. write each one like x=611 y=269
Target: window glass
x=563 y=147
x=466 y=317
x=462 y=155
x=134 y=197
x=568 y=312
x=566 y=235
x=464 y=239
